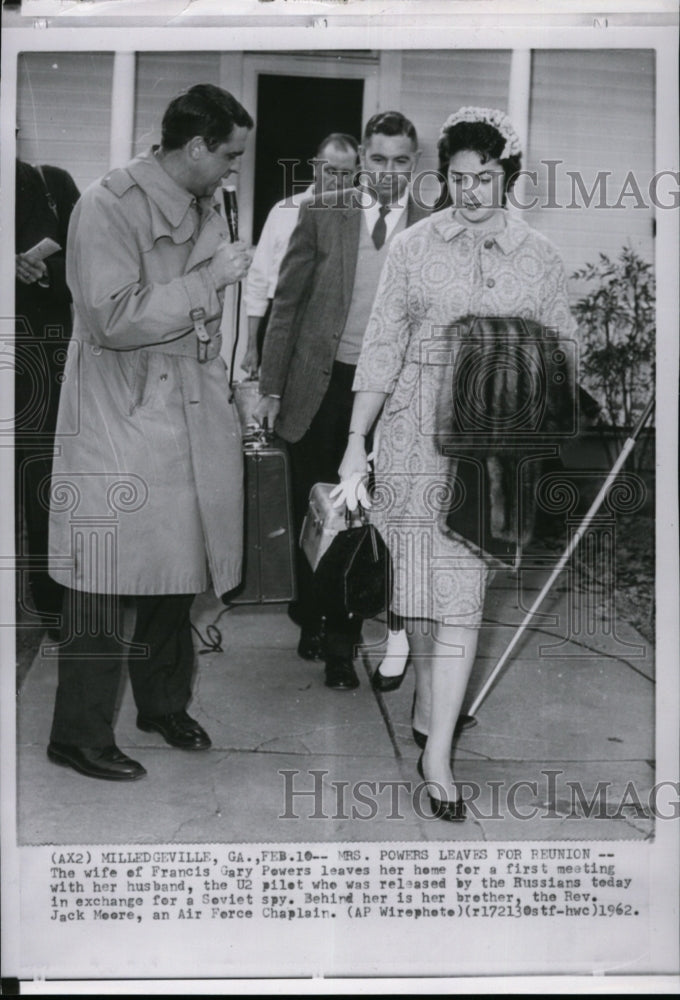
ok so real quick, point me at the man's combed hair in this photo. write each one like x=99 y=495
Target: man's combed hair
x=203 y=110
x=391 y=123
x=480 y=138
x=343 y=140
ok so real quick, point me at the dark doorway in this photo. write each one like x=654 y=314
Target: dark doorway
x=294 y=113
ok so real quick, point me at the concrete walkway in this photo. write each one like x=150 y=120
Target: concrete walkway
x=570 y=711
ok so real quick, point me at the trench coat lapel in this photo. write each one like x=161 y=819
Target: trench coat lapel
x=212 y=232
x=174 y=203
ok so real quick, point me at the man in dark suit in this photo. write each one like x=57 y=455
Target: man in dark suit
x=45 y=197
x=323 y=299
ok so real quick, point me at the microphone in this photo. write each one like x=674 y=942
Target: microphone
x=231 y=211
x=231 y=215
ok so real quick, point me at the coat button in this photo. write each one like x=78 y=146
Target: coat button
x=164 y=377
x=490 y=283
x=96 y=349
x=488 y=244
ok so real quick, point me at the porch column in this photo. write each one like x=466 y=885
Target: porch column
x=519 y=102
x=122 y=108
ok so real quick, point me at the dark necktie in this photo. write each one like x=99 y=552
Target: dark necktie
x=380 y=228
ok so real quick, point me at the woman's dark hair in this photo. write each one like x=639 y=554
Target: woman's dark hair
x=482 y=139
x=203 y=110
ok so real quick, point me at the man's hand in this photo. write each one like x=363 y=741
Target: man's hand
x=230 y=263
x=267 y=409
x=28 y=269
x=249 y=363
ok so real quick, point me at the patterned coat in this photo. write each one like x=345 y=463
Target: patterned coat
x=437 y=272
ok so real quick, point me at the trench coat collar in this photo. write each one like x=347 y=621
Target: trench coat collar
x=512 y=235
x=173 y=201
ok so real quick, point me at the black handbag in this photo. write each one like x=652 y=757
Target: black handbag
x=355 y=572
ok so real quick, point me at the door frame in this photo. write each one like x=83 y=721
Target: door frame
x=362 y=67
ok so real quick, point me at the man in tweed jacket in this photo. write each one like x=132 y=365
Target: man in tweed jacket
x=323 y=299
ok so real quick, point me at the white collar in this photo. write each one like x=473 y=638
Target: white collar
x=368 y=202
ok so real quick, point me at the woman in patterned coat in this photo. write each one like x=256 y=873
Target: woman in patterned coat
x=472 y=259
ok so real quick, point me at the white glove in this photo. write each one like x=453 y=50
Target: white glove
x=352 y=491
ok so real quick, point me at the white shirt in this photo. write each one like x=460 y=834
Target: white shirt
x=371 y=209
x=270 y=251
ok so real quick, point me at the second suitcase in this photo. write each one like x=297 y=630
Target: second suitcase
x=269 y=545
x=322 y=523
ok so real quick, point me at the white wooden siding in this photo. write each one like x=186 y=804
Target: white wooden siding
x=593 y=110
x=64 y=111
x=435 y=83
x=162 y=76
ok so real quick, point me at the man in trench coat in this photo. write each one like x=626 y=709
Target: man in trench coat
x=146 y=497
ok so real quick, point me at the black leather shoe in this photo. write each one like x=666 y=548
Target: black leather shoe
x=108 y=763
x=340 y=674
x=452 y=812
x=177 y=728
x=294 y=613
x=310 y=646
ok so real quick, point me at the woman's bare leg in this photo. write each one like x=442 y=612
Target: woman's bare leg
x=452 y=651
x=393 y=664
x=420 y=642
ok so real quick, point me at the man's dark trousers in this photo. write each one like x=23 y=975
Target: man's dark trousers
x=315 y=458
x=91 y=659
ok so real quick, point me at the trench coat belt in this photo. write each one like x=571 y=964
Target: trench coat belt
x=186 y=345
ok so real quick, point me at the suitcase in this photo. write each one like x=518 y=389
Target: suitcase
x=322 y=523
x=269 y=544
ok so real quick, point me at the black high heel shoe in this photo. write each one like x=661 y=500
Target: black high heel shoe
x=384 y=684
x=420 y=739
x=453 y=812
x=397 y=646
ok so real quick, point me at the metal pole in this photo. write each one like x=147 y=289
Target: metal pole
x=578 y=535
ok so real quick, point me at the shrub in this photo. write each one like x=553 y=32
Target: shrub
x=617 y=322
